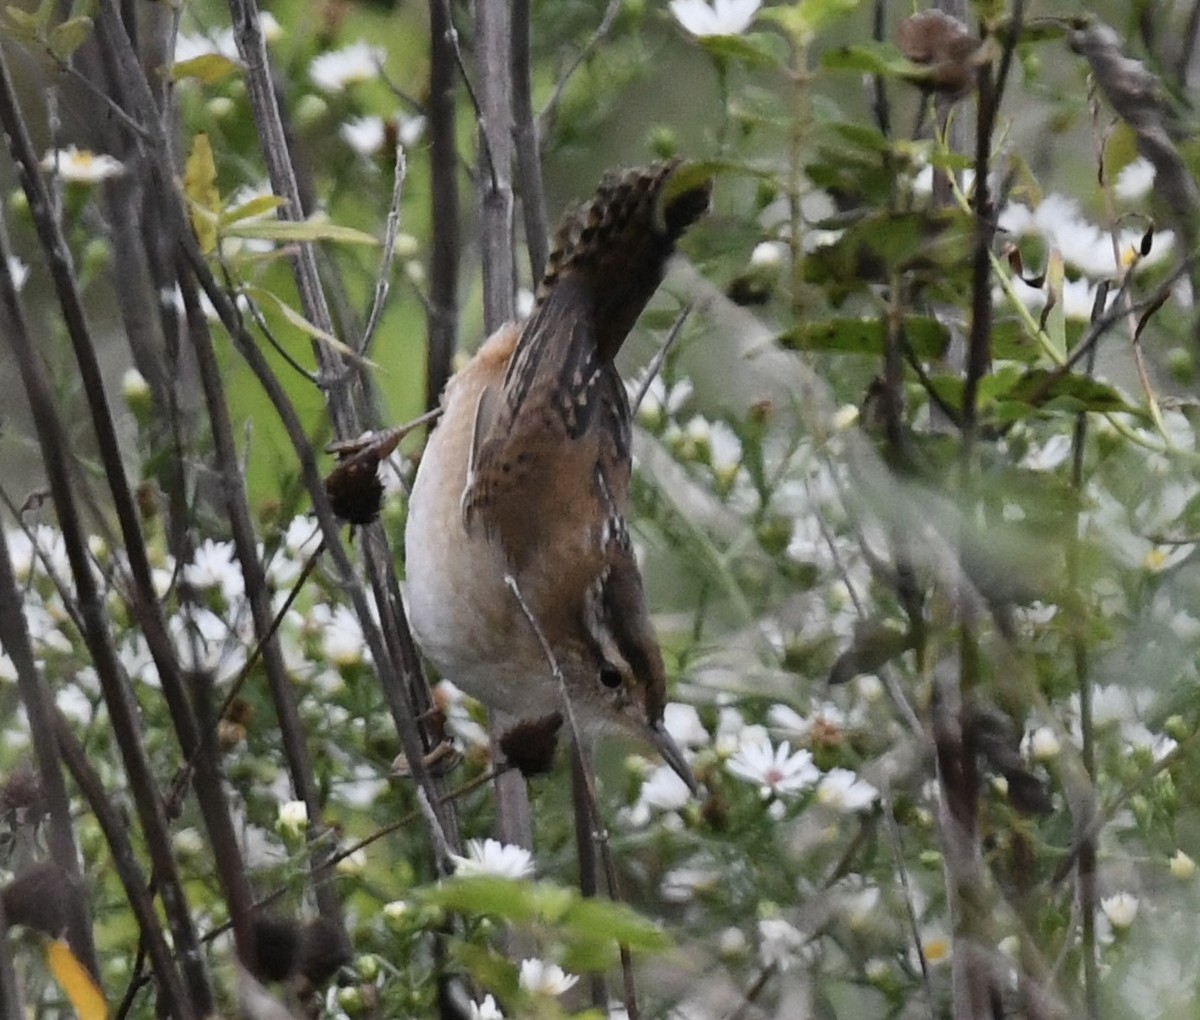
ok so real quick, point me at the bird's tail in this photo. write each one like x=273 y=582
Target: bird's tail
x=617 y=244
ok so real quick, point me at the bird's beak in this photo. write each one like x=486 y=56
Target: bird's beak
x=673 y=755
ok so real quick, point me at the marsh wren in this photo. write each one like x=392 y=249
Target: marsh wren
x=525 y=481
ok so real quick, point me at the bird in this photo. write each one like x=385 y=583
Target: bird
x=518 y=557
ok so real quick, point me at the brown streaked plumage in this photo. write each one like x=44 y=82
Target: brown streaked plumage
x=527 y=475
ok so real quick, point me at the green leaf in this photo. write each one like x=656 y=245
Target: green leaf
x=200 y=187
x=67 y=37
x=876 y=643
x=803 y=20
x=590 y=919
x=208 y=69
x=755 y=49
x=927 y=337
x=1056 y=317
x=301 y=323
x=491 y=970
x=314 y=229
x=882 y=58
x=1042 y=388
x=256 y=206
x=489 y=895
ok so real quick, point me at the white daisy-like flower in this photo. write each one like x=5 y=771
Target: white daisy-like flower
x=486 y=1010
x=725 y=449
x=338 y=69
x=396 y=910
x=81 y=166
x=768 y=255
x=363 y=134
x=354 y=863
x=1120 y=909
x=491 y=857
x=134 y=387
x=858 y=905
x=681 y=885
x=1182 y=866
x=663 y=790
x=777 y=771
x=342 y=642
x=1084 y=245
x=842 y=790
x=1078 y=297
x=721 y=17
x=683 y=723
x=779 y=944
x=293 y=818
x=189 y=46
x=1044 y=744
x=18 y=271
x=541 y=978
x=366 y=135
x=455 y=707
x=659 y=403
x=1049 y=455
x=214 y=565
x=937 y=948
x=1135 y=180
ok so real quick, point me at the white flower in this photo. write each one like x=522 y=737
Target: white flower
x=293 y=818
x=134 y=387
x=859 y=904
x=684 y=725
x=363 y=134
x=221 y=44
x=843 y=791
x=491 y=857
x=366 y=135
x=342 y=642
x=768 y=254
x=936 y=948
x=188 y=842
x=1044 y=744
x=1182 y=866
x=845 y=416
x=777 y=771
x=81 y=166
x=663 y=790
x=1053 y=452
x=681 y=885
x=18 y=271
x=725 y=448
x=543 y=978
x=779 y=943
x=486 y=1010
x=721 y=17
x=335 y=70
x=214 y=566
x=353 y=863
x=1120 y=909
x=732 y=943
x=396 y=910
x=876 y=969
x=1135 y=180
x=1083 y=244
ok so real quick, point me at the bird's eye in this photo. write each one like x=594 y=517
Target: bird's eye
x=610 y=676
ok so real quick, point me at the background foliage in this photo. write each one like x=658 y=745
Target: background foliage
x=916 y=500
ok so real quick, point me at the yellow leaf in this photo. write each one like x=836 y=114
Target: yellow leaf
x=200 y=186
x=75 y=981
x=208 y=68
